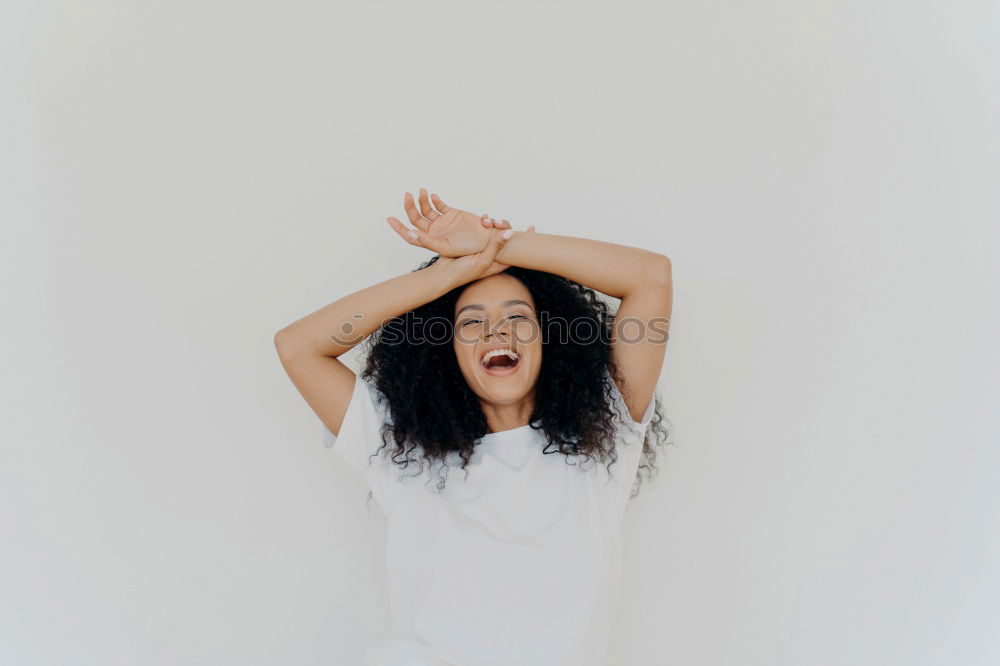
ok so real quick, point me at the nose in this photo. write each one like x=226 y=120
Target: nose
x=495 y=330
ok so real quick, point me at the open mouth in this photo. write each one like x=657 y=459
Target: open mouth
x=500 y=361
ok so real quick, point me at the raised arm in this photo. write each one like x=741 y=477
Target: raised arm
x=309 y=347
x=640 y=278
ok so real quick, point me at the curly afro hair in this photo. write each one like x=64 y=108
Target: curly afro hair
x=573 y=402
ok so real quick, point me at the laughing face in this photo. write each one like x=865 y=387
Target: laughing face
x=497 y=339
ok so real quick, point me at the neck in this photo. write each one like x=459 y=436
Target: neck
x=500 y=417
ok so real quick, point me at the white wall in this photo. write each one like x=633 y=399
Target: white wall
x=184 y=178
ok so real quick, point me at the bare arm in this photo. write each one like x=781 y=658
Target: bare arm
x=336 y=328
x=308 y=348
x=616 y=270
x=640 y=278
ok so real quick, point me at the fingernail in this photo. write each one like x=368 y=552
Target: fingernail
x=507 y=234
x=412 y=235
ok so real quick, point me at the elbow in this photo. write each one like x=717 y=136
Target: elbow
x=658 y=271
x=283 y=342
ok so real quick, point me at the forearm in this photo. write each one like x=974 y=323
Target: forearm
x=336 y=328
x=610 y=268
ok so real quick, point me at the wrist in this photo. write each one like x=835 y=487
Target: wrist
x=504 y=256
x=490 y=237
x=443 y=276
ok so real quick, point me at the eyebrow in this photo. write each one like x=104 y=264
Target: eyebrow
x=479 y=306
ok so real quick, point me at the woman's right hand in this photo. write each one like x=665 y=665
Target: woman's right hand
x=465 y=269
x=450 y=232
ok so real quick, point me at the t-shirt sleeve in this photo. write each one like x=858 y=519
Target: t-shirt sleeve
x=359 y=441
x=631 y=435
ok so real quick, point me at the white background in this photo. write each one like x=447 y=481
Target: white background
x=182 y=179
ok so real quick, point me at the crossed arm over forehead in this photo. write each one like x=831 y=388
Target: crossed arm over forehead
x=641 y=278
x=470 y=249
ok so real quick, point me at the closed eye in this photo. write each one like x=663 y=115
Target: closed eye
x=476 y=321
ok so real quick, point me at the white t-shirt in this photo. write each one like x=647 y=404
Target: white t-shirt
x=517 y=564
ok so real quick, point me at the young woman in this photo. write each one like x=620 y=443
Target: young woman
x=496 y=358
